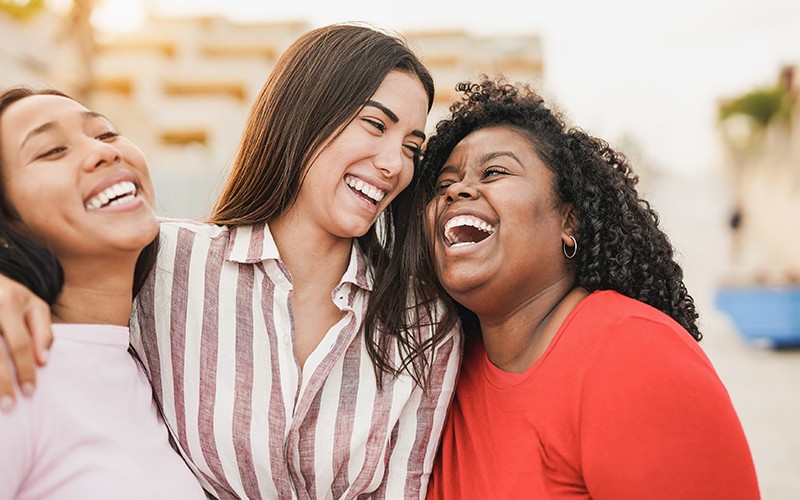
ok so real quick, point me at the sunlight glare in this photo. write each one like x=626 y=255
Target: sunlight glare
x=118 y=15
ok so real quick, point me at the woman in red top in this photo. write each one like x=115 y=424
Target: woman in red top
x=582 y=377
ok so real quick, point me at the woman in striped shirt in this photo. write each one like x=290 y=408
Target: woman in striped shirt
x=292 y=352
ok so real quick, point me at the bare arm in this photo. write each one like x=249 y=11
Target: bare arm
x=25 y=329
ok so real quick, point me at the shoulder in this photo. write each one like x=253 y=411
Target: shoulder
x=610 y=317
x=170 y=228
x=179 y=239
x=625 y=341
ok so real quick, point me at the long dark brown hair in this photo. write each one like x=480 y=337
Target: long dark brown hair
x=319 y=84
x=30 y=262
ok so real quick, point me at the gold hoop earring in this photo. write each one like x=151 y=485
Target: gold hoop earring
x=574 y=248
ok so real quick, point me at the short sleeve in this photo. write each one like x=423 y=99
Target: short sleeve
x=656 y=421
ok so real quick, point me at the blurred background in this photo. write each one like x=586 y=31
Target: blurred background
x=702 y=95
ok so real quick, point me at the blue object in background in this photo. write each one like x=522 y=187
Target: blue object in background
x=763 y=314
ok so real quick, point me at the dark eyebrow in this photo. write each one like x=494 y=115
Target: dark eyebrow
x=388 y=112
x=449 y=169
x=496 y=154
x=50 y=125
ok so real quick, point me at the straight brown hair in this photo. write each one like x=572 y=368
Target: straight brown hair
x=318 y=85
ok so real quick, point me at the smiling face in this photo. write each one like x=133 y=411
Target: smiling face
x=368 y=163
x=72 y=182
x=496 y=225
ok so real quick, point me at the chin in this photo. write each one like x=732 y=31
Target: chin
x=462 y=290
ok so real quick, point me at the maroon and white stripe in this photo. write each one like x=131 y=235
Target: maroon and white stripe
x=214 y=330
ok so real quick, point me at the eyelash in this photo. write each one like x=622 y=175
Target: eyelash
x=490 y=171
x=415 y=150
x=51 y=152
x=377 y=124
x=111 y=135
x=441 y=186
x=381 y=127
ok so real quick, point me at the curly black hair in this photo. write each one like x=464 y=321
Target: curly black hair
x=622 y=247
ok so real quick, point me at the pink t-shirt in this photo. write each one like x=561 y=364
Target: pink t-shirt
x=91 y=430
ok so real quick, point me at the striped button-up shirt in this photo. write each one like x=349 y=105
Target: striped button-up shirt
x=213 y=328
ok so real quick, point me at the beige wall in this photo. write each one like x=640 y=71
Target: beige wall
x=181 y=88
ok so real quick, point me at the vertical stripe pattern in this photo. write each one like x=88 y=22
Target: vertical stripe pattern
x=214 y=328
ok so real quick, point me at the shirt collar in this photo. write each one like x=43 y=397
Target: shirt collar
x=251 y=244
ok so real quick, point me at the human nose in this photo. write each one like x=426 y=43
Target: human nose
x=391 y=161
x=101 y=154
x=460 y=190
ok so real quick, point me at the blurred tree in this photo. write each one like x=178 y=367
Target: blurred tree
x=759 y=108
x=77 y=29
x=759 y=131
x=80 y=27
x=21 y=9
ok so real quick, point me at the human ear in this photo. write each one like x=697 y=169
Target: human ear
x=569 y=224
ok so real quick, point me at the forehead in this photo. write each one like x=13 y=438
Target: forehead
x=39 y=109
x=30 y=112
x=400 y=89
x=491 y=140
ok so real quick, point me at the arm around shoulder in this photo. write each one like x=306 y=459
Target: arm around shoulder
x=25 y=328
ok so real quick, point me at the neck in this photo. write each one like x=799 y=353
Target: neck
x=98 y=292
x=311 y=256
x=516 y=340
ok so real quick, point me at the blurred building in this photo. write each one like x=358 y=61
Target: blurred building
x=761 y=137
x=181 y=88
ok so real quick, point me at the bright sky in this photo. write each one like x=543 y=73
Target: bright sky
x=651 y=71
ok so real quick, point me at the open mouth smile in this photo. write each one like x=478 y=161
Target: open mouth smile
x=365 y=190
x=463 y=230
x=117 y=194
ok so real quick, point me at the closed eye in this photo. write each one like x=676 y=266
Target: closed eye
x=494 y=171
x=379 y=125
x=51 y=152
x=107 y=136
x=442 y=185
x=413 y=149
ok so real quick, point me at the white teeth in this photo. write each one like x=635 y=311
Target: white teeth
x=369 y=190
x=121 y=192
x=464 y=220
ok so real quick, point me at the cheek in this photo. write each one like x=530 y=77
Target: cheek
x=147 y=186
x=22 y=197
x=406 y=176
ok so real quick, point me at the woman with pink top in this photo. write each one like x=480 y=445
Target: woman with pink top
x=77 y=228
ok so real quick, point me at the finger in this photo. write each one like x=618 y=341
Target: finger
x=6 y=385
x=20 y=347
x=38 y=321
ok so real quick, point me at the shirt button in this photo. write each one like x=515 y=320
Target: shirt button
x=286 y=340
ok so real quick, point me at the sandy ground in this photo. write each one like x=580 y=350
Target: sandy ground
x=764 y=384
